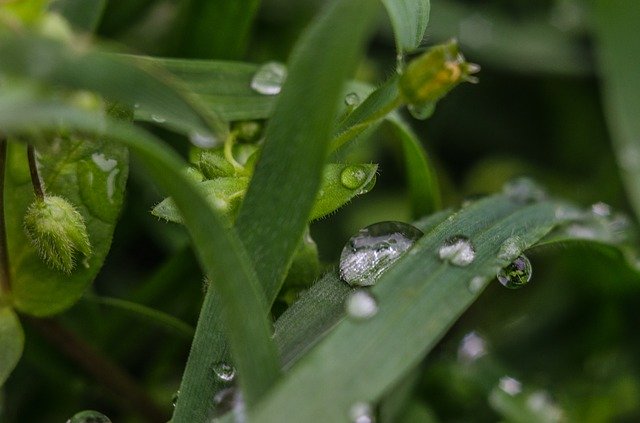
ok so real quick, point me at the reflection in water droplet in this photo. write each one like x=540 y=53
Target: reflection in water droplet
x=457 y=250
x=202 y=140
x=158 y=119
x=353 y=176
x=524 y=191
x=510 y=385
x=89 y=416
x=269 y=78
x=421 y=112
x=601 y=209
x=511 y=248
x=373 y=249
x=472 y=347
x=361 y=412
x=361 y=305
x=224 y=371
x=352 y=100
x=517 y=274
x=476 y=284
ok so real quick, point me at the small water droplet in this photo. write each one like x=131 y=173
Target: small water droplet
x=517 y=274
x=361 y=305
x=601 y=209
x=89 y=416
x=524 y=191
x=421 y=112
x=269 y=78
x=511 y=248
x=472 y=347
x=457 y=250
x=158 y=119
x=510 y=385
x=174 y=398
x=352 y=100
x=567 y=213
x=476 y=284
x=361 y=412
x=203 y=140
x=224 y=371
x=373 y=249
x=353 y=176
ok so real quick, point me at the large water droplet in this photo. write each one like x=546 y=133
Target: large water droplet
x=524 y=191
x=511 y=248
x=517 y=274
x=353 y=176
x=510 y=385
x=457 y=250
x=421 y=112
x=352 y=100
x=373 y=249
x=361 y=305
x=224 y=371
x=269 y=78
x=89 y=416
x=203 y=140
x=361 y=412
x=472 y=347
x=601 y=209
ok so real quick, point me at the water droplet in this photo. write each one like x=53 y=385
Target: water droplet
x=476 y=284
x=353 y=176
x=361 y=412
x=89 y=416
x=421 y=112
x=511 y=248
x=361 y=305
x=203 y=140
x=457 y=250
x=373 y=249
x=158 y=119
x=524 y=191
x=224 y=371
x=352 y=100
x=601 y=209
x=510 y=385
x=100 y=181
x=516 y=274
x=230 y=399
x=105 y=164
x=472 y=347
x=174 y=398
x=567 y=213
x=269 y=78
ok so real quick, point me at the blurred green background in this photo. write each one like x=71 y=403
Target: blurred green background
x=568 y=337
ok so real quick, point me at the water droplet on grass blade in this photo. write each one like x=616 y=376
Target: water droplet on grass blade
x=353 y=176
x=361 y=305
x=421 y=112
x=89 y=416
x=601 y=209
x=517 y=274
x=524 y=191
x=224 y=371
x=373 y=249
x=361 y=412
x=269 y=78
x=352 y=100
x=457 y=250
x=476 y=284
x=203 y=140
x=511 y=248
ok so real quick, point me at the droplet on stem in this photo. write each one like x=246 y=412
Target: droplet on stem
x=269 y=78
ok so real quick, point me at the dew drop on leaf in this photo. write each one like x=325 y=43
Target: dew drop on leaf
x=361 y=412
x=352 y=100
x=353 y=176
x=524 y=191
x=457 y=250
x=373 y=249
x=89 y=416
x=361 y=305
x=269 y=78
x=201 y=140
x=601 y=209
x=224 y=371
x=511 y=248
x=476 y=284
x=517 y=274
x=421 y=112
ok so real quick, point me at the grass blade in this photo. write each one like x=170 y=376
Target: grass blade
x=409 y=19
x=616 y=24
x=275 y=210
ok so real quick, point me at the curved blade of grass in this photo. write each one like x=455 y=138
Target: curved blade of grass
x=11 y=342
x=409 y=19
x=219 y=250
x=619 y=60
x=420 y=297
x=276 y=207
x=116 y=77
x=83 y=15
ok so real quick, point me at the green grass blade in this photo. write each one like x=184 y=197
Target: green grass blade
x=219 y=250
x=11 y=342
x=409 y=19
x=420 y=297
x=83 y=15
x=619 y=61
x=287 y=177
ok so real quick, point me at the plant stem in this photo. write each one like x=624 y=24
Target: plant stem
x=35 y=176
x=5 y=277
x=101 y=368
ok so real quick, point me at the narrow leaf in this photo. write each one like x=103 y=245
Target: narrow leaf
x=11 y=342
x=409 y=19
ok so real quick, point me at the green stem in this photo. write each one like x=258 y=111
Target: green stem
x=5 y=277
x=33 y=170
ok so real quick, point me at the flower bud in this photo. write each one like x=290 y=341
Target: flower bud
x=213 y=165
x=57 y=231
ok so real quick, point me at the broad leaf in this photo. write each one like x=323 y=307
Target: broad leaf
x=409 y=19
x=11 y=342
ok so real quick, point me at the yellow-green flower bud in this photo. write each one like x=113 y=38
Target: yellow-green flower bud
x=57 y=231
x=213 y=165
x=431 y=76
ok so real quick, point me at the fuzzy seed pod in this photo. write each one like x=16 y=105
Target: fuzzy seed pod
x=57 y=231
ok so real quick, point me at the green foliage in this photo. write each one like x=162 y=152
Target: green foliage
x=11 y=340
